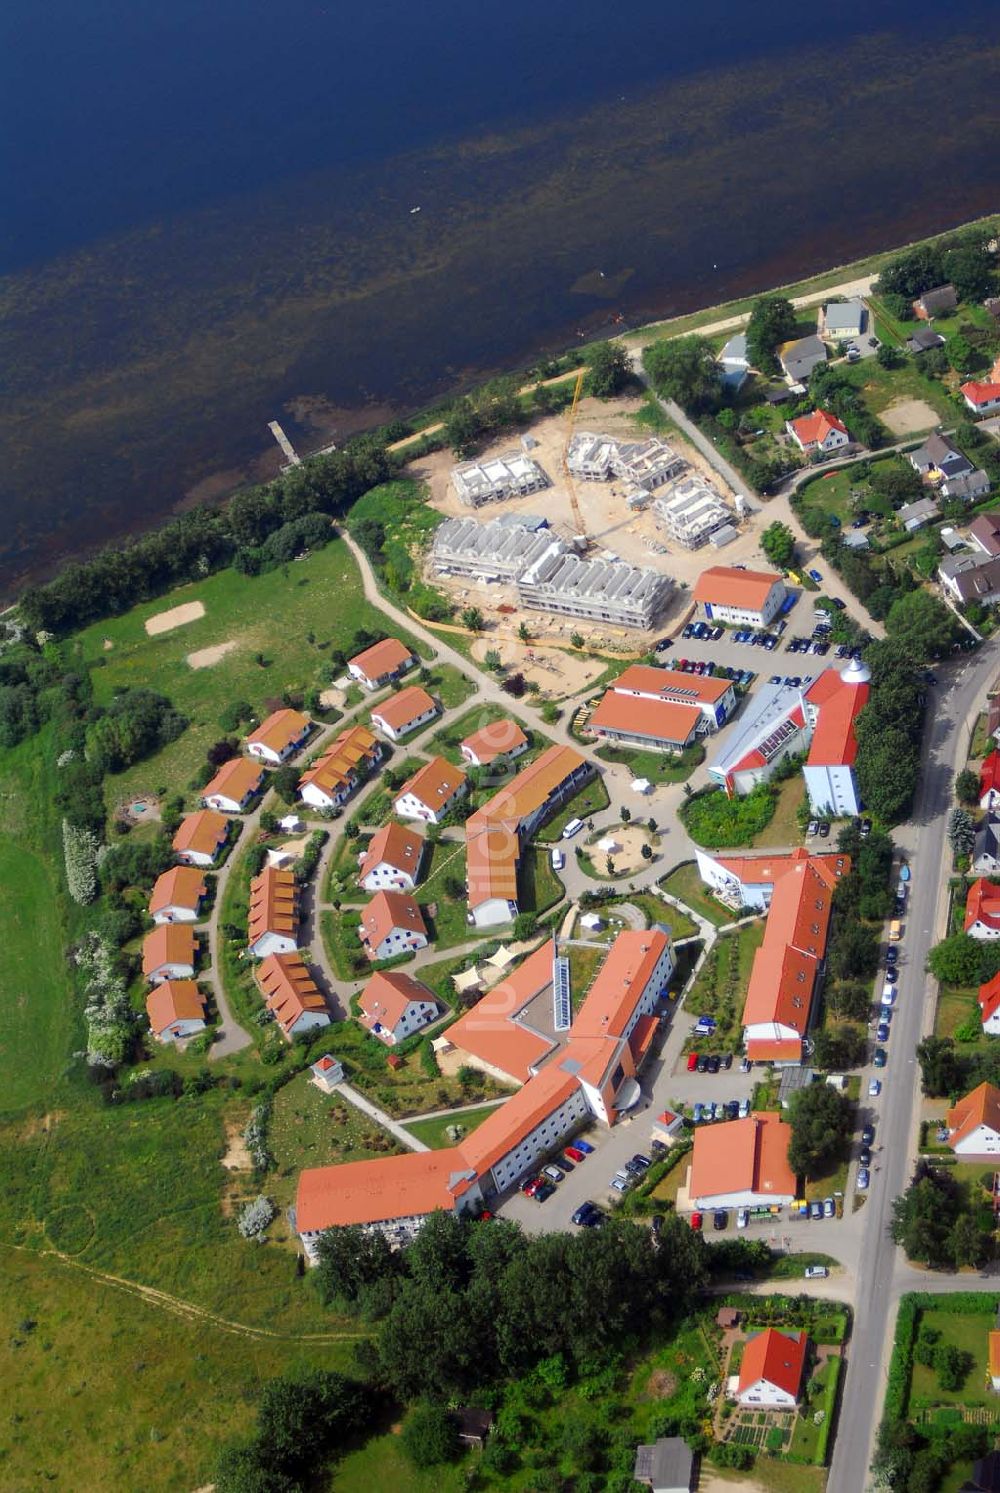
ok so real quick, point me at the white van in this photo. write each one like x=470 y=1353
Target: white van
x=557 y=860
x=573 y=828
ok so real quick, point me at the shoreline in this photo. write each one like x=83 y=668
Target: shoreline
x=716 y=316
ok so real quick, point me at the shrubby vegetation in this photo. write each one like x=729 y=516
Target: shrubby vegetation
x=303 y=1421
x=134 y=725
x=962 y=260
x=108 y=1014
x=942 y=1223
x=717 y=821
x=821 y=1120
x=890 y=726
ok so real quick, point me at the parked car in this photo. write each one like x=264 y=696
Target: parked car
x=891 y=956
x=720 y=1218
x=815 y=1210
x=588 y=1216
x=713 y=1064
x=582 y=1145
x=865 y=1156
x=658 y=1147
x=744 y=1108
x=726 y=1060
x=888 y=996
x=572 y=828
x=824 y=830
x=814 y=575
x=813 y=828
x=696 y=1114
x=881 y=1057
x=874 y=1088
x=640 y=1162
x=891 y=974
x=696 y=1220
x=656 y=1223
x=745 y=1065
x=530 y=1187
x=816 y=1272
x=718 y=1110
x=829 y=1208
x=882 y=1033
x=868 y=1135
x=557 y=859
x=840 y=605
x=564 y=1166
x=702 y=1064
x=864 y=1177
x=692 y=1061
x=620 y=1182
x=742 y=1218
x=552 y=1172
x=544 y=1192
x=574 y=1153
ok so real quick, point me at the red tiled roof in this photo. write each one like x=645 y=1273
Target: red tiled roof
x=989 y=998
x=389 y=910
x=670 y=684
x=274 y=904
x=748 y=1155
x=491 y=861
x=721 y=585
x=361 y=1192
x=489 y=1032
x=168 y=943
x=981 y=1107
x=181 y=886
x=834 y=742
x=776 y=1357
x=755 y=757
x=174 y=1000
x=495 y=740
x=783 y=974
x=533 y=787
x=386 y=997
x=203 y=832
x=280 y=730
x=237 y=779
x=435 y=784
x=764 y=1050
x=813 y=429
x=982 y=905
x=660 y=720
x=989 y=774
x=405 y=706
x=522 y=1113
x=383 y=658
x=981 y=393
x=289 y=989
x=395 y=845
x=624 y=974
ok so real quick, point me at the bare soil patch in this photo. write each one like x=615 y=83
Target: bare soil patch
x=204 y=658
x=906 y=416
x=630 y=838
x=332 y=698
x=237 y=1157
x=166 y=621
x=557 y=673
x=662 y=1384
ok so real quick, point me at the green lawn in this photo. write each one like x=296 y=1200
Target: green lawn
x=339 y=931
x=539 y=887
x=309 y=1128
x=784 y=829
x=409 y=1089
x=320 y=595
x=831 y=494
x=685 y=883
x=590 y=800
x=446 y=684
x=880 y=387
x=583 y=966
x=716 y=821
x=659 y=767
x=37 y=1011
x=434 y=1133
x=970 y=1333
x=955 y=1008
x=658 y=911
x=721 y=987
x=191 y=1386
x=382 y=1464
x=447 y=925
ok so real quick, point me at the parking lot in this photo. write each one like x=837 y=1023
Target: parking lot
x=797 y=646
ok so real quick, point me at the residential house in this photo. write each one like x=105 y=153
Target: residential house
x=392 y=861
x=734 y=364
x=742 y=598
x=819 y=434
x=381 y=664
x=666 y=1466
x=169 y=952
x=936 y=302
x=923 y=340
x=329 y=781
x=392 y=924
x=982 y=910
x=291 y=994
x=968 y=487
x=982 y=398
x=799 y=357
x=432 y=792
x=973 y=1124
x=993 y=1359
x=279 y=737
x=842 y=320
x=404 y=712
x=914 y=516
x=986 y=847
x=393 y=1006
x=968 y=577
x=272 y=926
x=984 y=534
x=201 y=837
x=234 y=787
x=741 y=1164
x=939 y=458
x=771 y=1370
x=499 y=740
x=989 y=781
x=176 y=1010
x=178 y=895
x=989 y=1006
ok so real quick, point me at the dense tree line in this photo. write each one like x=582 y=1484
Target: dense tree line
x=830 y=385
x=889 y=730
x=468 y=1304
x=772 y=322
x=938 y=1225
x=206 y=539
x=820 y=1120
x=947 y=1070
x=303 y=1422
x=962 y=260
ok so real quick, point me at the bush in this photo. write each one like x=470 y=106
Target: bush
x=429 y=1436
x=716 y=821
x=255 y=1217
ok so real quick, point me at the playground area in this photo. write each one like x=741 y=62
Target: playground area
x=556 y=672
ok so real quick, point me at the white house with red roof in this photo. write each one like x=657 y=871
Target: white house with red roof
x=741 y=1163
x=818 y=434
x=989 y=781
x=381 y=663
x=392 y=924
x=392 y=861
x=497 y=740
x=432 y=792
x=771 y=1369
x=393 y=1006
x=404 y=712
x=833 y=702
x=982 y=910
x=989 y=1006
x=662 y=709
x=743 y=598
x=982 y=399
x=234 y=787
x=973 y=1124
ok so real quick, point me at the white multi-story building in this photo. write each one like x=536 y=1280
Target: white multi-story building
x=742 y=598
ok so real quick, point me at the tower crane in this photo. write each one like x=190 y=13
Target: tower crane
x=574 y=502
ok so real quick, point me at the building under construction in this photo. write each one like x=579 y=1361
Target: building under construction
x=693 y=512
x=645 y=464
x=510 y=475
x=549 y=574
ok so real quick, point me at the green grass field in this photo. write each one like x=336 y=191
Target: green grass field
x=971 y=1334
x=272 y=615
x=191 y=1386
x=784 y=829
x=309 y=1128
x=434 y=1133
x=685 y=883
x=659 y=767
x=591 y=799
x=658 y=911
x=721 y=987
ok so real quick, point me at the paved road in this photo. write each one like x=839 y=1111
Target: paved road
x=882 y=1272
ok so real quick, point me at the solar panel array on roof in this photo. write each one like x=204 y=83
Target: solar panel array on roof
x=562 y=1006
x=772 y=744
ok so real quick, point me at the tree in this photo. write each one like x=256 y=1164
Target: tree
x=849 y=998
x=778 y=544
x=961 y=831
x=950 y=1365
x=429 y=1435
x=854 y=953
x=626 y=814
x=473 y=619
x=515 y=685
x=609 y=369
x=524 y=632
x=888 y=357
x=241 y=1469
x=923 y=624
x=957 y=960
x=350 y=1259
x=493 y=661
x=820 y=1119
x=837 y=1048
x=300 y=1418
x=923 y=1217
x=577 y=639
x=962 y=357
x=285 y=783
x=524 y=925
x=370 y=534
x=772 y=321
x=646 y=851
x=684 y=369
x=462 y=428
x=941 y=1069
x=967 y=787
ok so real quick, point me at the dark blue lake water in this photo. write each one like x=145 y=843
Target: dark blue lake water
x=205 y=204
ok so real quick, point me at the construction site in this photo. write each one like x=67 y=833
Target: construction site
x=588 y=525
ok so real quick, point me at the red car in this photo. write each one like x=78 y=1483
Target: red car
x=696 y=1220
x=530 y=1188
x=574 y=1154
x=692 y=1061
